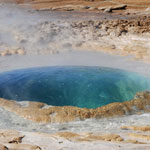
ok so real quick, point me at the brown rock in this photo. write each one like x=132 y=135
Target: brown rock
x=89 y=137
x=118 y=7
x=9 y=52
x=17 y=140
x=133 y=141
x=67 y=135
x=2 y=147
x=22 y=147
x=139 y=136
x=109 y=137
x=137 y=128
x=20 y=52
x=10 y=136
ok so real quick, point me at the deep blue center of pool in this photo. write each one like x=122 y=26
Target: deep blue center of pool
x=88 y=87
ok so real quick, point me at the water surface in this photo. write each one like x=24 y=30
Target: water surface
x=88 y=87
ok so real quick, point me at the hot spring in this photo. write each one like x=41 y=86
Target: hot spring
x=88 y=87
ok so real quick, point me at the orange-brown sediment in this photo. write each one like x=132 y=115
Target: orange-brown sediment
x=40 y=112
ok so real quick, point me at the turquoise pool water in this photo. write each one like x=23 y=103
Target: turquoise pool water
x=88 y=87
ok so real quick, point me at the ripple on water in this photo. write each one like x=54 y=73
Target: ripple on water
x=88 y=87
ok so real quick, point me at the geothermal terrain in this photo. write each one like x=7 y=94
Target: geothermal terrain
x=113 y=33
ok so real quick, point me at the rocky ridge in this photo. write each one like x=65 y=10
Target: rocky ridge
x=42 y=113
x=88 y=5
x=128 y=36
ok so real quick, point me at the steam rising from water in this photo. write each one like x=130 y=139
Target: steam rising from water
x=35 y=33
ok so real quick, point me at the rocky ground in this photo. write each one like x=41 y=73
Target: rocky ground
x=87 y=5
x=32 y=126
x=125 y=34
x=42 y=36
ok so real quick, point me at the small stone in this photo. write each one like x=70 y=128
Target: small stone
x=44 y=9
x=17 y=140
x=101 y=8
x=20 y=52
x=109 y=10
x=148 y=9
x=86 y=7
x=60 y=142
x=23 y=147
x=2 y=147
